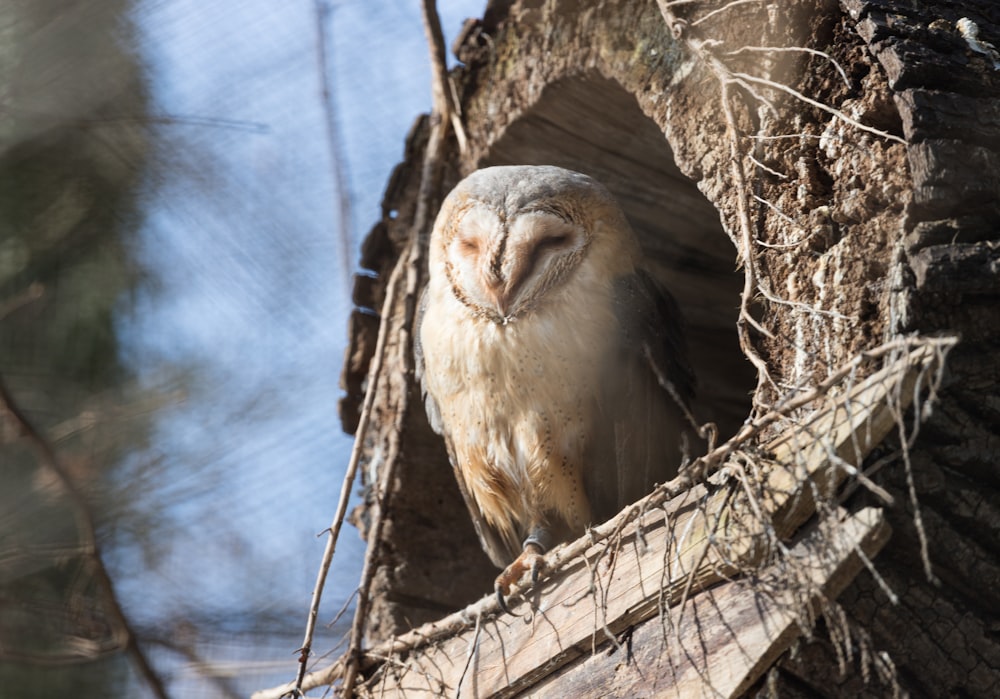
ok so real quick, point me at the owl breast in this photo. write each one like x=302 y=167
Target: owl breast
x=518 y=400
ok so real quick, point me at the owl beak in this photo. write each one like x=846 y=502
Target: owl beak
x=501 y=301
x=498 y=292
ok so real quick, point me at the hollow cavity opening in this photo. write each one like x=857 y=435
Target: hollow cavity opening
x=591 y=124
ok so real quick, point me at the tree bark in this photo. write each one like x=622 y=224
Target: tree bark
x=851 y=234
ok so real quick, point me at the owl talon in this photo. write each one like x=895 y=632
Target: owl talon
x=531 y=559
x=500 y=598
x=537 y=566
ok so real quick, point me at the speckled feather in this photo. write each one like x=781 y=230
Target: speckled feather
x=535 y=336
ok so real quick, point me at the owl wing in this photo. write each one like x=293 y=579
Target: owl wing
x=651 y=321
x=430 y=405
x=500 y=551
x=637 y=441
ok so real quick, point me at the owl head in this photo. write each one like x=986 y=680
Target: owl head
x=508 y=236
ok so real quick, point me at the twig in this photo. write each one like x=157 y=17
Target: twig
x=222 y=681
x=787 y=219
x=720 y=10
x=783 y=136
x=429 y=192
x=819 y=105
x=333 y=140
x=750 y=275
x=473 y=652
x=906 y=441
x=374 y=374
x=794 y=49
x=765 y=168
x=333 y=532
x=745 y=238
x=34 y=292
x=442 y=94
x=88 y=533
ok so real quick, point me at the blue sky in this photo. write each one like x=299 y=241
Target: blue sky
x=242 y=233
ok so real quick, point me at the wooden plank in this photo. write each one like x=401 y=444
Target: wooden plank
x=562 y=618
x=726 y=637
x=823 y=448
x=721 y=643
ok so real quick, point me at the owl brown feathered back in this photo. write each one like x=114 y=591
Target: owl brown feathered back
x=541 y=345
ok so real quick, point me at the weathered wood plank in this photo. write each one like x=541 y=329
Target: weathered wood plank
x=824 y=449
x=565 y=616
x=727 y=636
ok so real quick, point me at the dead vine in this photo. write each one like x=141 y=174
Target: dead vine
x=710 y=53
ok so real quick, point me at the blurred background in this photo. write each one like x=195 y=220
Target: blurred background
x=184 y=185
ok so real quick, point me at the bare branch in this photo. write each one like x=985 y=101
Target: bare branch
x=794 y=49
x=728 y=6
x=88 y=533
x=337 y=161
x=410 y=265
x=819 y=105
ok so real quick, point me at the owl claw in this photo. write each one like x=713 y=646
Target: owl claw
x=531 y=559
x=501 y=593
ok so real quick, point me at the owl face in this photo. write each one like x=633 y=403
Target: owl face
x=502 y=266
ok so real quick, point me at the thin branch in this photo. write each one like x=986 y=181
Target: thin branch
x=254 y=127
x=744 y=239
x=333 y=532
x=806 y=308
x=787 y=219
x=720 y=10
x=473 y=653
x=374 y=374
x=88 y=533
x=445 y=104
x=819 y=105
x=218 y=674
x=333 y=140
x=783 y=136
x=750 y=271
x=410 y=264
x=794 y=49
x=765 y=168
x=34 y=292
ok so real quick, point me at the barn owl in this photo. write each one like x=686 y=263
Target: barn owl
x=545 y=353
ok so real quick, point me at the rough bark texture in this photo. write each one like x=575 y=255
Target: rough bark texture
x=861 y=237
x=943 y=638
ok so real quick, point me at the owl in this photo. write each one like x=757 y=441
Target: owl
x=551 y=363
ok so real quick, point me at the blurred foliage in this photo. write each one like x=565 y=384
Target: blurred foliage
x=173 y=298
x=72 y=151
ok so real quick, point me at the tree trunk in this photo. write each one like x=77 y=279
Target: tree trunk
x=859 y=191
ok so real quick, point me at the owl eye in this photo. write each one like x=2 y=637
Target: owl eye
x=550 y=243
x=468 y=246
x=553 y=242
